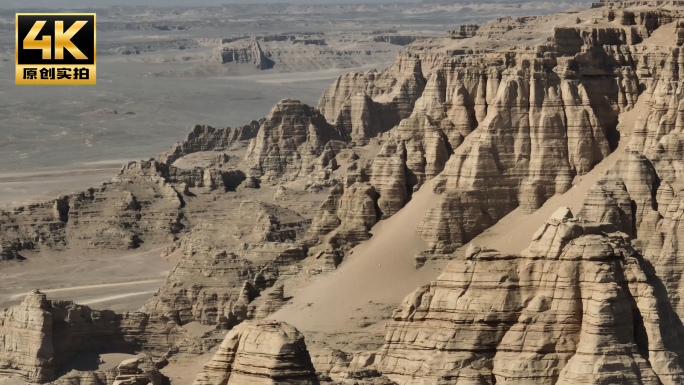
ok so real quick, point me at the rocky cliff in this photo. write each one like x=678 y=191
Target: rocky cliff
x=290 y=139
x=38 y=336
x=646 y=180
x=506 y=130
x=243 y=52
x=206 y=138
x=140 y=370
x=365 y=104
x=579 y=306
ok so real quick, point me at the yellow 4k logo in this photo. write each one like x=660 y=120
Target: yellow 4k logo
x=62 y=40
x=55 y=48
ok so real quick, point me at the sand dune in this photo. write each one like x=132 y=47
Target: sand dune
x=378 y=275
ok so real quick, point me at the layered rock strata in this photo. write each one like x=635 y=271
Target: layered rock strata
x=197 y=177
x=142 y=203
x=214 y=286
x=262 y=352
x=365 y=104
x=244 y=52
x=650 y=170
x=207 y=138
x=227 y=260
x=290 y=139
x=496 y=131
x=38 y=336
x=501 y=131
x=343 y=221
x=463 y=31
x=140 y=370
x=578 y=306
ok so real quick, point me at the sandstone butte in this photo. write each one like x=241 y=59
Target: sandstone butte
x=568 y=124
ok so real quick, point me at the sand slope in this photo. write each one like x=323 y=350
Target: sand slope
x=513 y=233
x=381 y=272
x=375 y=278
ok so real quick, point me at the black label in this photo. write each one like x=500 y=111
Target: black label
x=83 y=40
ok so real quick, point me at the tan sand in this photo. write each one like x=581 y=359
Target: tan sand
x=112 y=360
x=377 y=276
x=196 y=329
x=183 y=369
x=45 y=184
x=120 y=282
x=662 y=37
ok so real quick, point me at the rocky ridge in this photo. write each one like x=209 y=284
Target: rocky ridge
x=206 y=138
x=507 y=106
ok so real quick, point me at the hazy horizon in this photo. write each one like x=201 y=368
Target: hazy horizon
x=177 y=3
x=53 y=4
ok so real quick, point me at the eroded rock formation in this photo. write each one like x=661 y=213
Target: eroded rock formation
x=344 y=220
x=579 y=306
x=378 y=100
x=244 y=52
x=207 y=138
x=650 y=170
x=290 y=139
x=501 y=131
x=38 y=336
x=593 y=300
x=263 y=352
x=140 y=370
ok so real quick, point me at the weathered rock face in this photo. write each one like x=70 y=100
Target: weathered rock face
x=141 y=204
x=609 y=202
x=289 y=140
x=651 y=170
x=502 y=25
x=241 y=52
x=344 y=220
x=538 y=133
x=263 y=352
x=213 y=287
x=38 y=336
x=228 y=260
x=197 y=177
x=546 y=121
x=207 y=138
x=647 y=20
x=373 y=102
x=361 y=118
x=27 y=349
x=397 y=39
x=463 y=31
x=496 y=132
x=140 y=370
x=501 y=130
x=579 y=306
x=75 y=377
